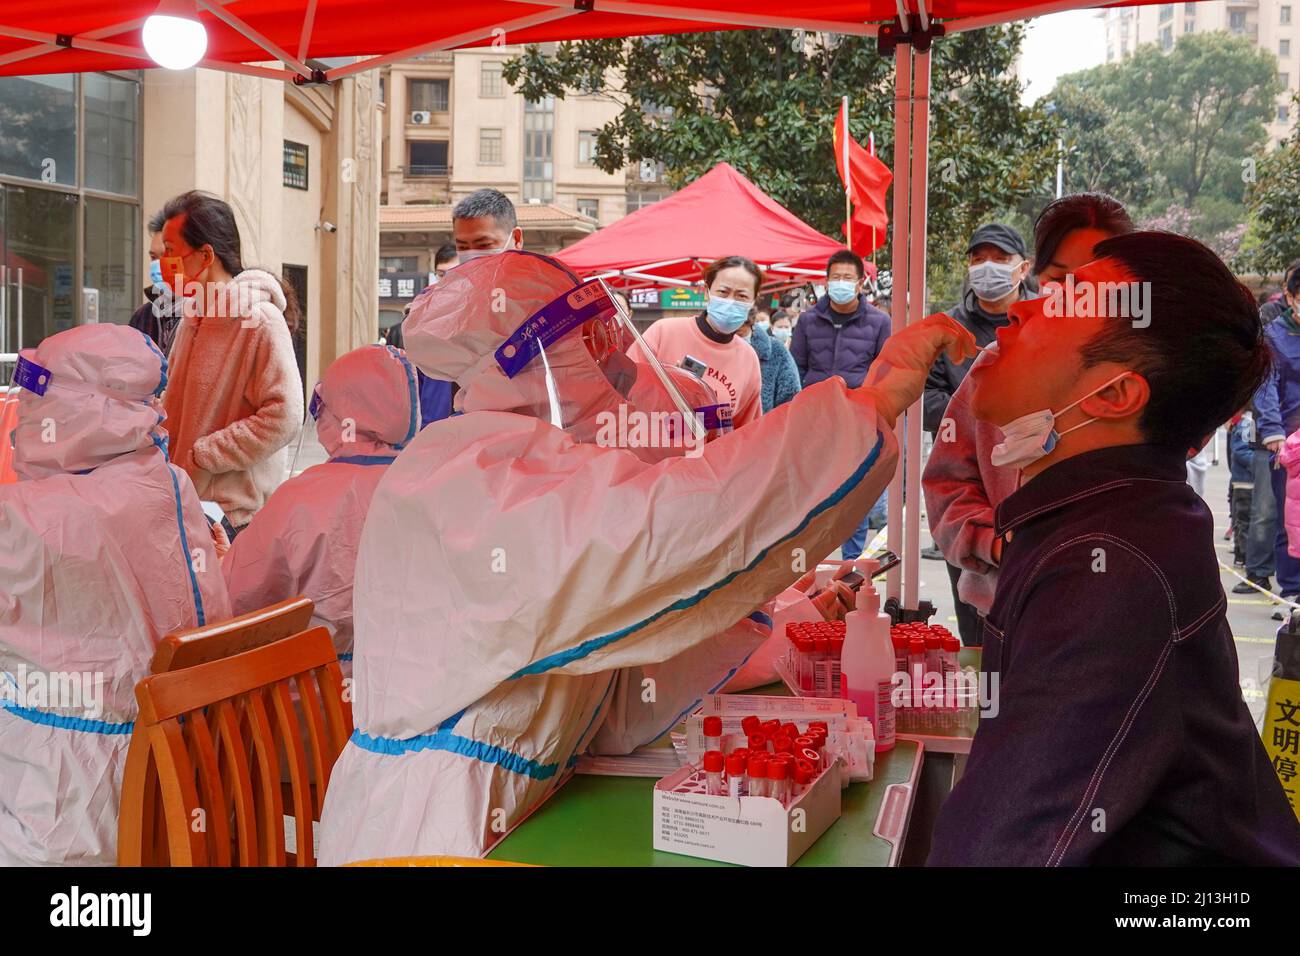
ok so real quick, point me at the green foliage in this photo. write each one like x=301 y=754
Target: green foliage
x=1273 y=238
x=765 y=102
x=1172 y=134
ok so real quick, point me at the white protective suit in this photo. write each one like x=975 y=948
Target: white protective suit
x=106 y=551
x=304 y=540
x=510 y=570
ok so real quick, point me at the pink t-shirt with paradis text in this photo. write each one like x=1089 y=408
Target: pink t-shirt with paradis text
x=733 y=374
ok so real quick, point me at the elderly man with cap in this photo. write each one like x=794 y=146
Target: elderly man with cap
x=998 y=266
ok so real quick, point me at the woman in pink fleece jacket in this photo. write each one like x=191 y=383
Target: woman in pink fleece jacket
x=234 y=399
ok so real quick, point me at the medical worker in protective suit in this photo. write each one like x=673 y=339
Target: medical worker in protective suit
x=304 y=540
x=105 y=551
x=510 y=569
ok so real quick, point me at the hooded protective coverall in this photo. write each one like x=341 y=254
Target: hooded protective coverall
x=304 y=540
x=106 y=551
x=509 y=571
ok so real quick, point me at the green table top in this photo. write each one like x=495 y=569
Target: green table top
x=608 y=821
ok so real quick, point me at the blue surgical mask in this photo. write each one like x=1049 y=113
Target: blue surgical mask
x=841 y=291
x=782 y=335
x=155 y=273
x=763 y=324
x=469 y=255
x=727 y=315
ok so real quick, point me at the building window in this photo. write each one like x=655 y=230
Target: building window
x=489 y=147
x=112 y=133
x=586 y=147
x=1284 y=15
x=427 y=157
x=1167 y=38
x=399 y=263
x=1283 y=114
x=1166 y=12
x=383 y=90
x=39 y=122
x=112 y=243
x=429 y=95
x=640 y=198
x=539 y=150
x=589 y=207
x=1283 y=47
x=1237 y=21
x=295 y=165
x=490 y=81
x=1284 y=79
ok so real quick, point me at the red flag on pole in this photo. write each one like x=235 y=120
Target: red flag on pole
x=867 y=182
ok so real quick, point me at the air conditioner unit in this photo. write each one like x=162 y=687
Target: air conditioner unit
x=421 y=117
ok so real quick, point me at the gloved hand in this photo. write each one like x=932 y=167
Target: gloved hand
x=896 y=378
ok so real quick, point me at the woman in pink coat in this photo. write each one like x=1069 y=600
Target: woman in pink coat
x=1289 y=458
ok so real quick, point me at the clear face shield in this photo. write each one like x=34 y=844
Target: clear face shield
x=641 y=403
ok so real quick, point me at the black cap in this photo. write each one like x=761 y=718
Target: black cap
x=1000 y=235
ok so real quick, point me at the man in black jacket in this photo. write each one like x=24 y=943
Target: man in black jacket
x=157 y=318
x=1118 y=733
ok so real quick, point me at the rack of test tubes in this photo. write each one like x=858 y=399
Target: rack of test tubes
x=758 y=799
x=935 y=696
x=810 y=665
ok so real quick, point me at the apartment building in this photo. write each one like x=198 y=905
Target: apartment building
x=1266 y=23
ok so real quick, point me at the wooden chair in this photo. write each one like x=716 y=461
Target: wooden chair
x=225 y=638
x=200 y=645
x=216 y=732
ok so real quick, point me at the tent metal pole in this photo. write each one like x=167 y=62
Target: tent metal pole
x=918 y=210
x=308 y=21
x=451 y=43
x=244 y=30
x=898 y=302
x=729 y=17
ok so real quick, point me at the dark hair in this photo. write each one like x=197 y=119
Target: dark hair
x=156 y=222
x=446 y=252
x=730 y=262
x=208 y=221
x=849 y=256
x=487 y=202
x=1292 y=281
x=1203 y=352
x=292 y=307
x=1062 y=216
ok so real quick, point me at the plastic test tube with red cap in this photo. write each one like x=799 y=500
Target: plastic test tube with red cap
x=778 y=780
x=837 y=649
x=736 y=763
x=756 y=775
x=713 y=733
x=916 y=669
x=714 y=764
x=803 y=774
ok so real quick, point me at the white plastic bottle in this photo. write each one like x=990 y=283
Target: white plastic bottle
x=867 y=666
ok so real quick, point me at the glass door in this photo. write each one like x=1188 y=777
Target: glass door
x=38 y=243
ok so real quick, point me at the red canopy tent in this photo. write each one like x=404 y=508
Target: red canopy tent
x=40 y=36
x=721 y=213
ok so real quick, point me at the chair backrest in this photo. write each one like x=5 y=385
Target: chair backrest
x=217 y=733
x=199 y=645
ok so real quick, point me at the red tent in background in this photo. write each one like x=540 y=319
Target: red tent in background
x=720 y=214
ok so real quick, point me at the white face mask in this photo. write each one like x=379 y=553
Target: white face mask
x=1030 y=437
x=469 y=255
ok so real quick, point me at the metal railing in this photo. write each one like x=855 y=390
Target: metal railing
x=434 y=170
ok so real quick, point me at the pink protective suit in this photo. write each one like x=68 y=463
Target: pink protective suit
x=304 y=540
x=105 y=551
x=1289 y=458
x=513 y=576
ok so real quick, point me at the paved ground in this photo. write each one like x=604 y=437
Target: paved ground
x=1248 y=615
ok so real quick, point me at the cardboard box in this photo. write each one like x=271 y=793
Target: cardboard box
x=750 y=831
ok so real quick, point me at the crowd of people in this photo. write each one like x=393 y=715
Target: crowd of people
x=499 y=583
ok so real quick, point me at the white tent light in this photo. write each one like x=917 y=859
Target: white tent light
x=173 y=37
